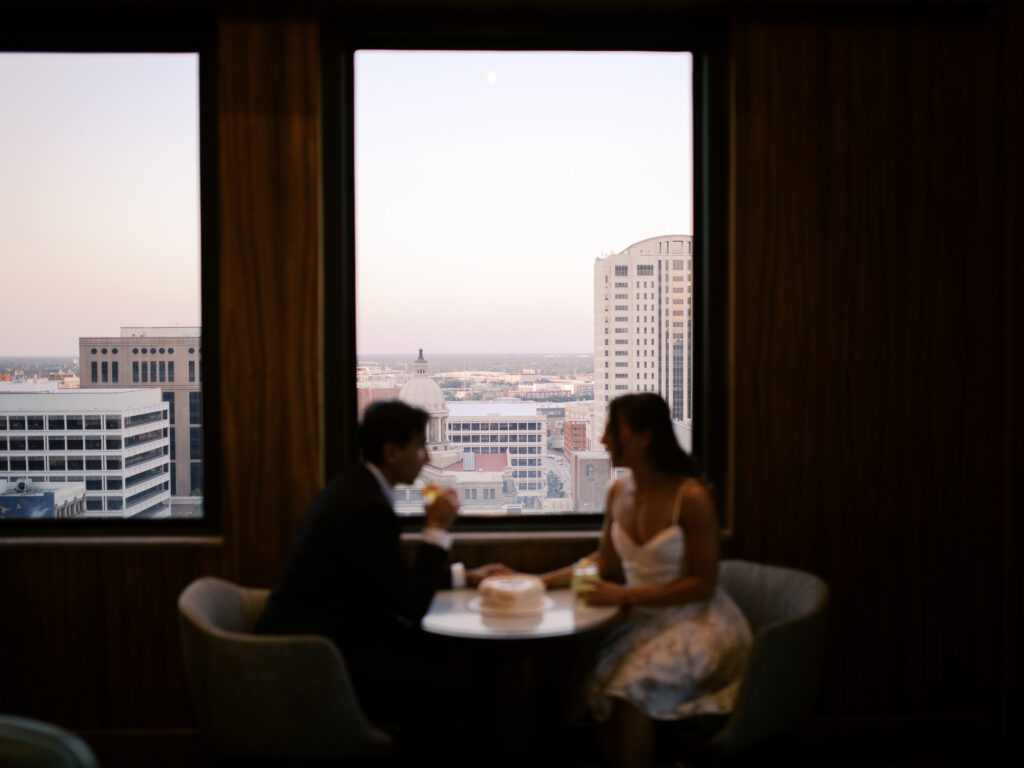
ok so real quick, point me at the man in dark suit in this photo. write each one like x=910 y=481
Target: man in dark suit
x=345 y=575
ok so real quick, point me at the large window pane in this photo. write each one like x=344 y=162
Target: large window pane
x=99 y=209
x=504 y=202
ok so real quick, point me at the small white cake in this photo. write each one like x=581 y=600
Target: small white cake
x=516 y=593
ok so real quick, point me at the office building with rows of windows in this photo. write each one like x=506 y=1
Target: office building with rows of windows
x=164 y=358
x=115 y=441
x=643 y=328
x=515 y=429
x=491 y=452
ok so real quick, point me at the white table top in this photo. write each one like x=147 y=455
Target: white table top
x=452 y=614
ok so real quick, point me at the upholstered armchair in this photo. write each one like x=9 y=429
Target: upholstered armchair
x=787 y=610
x=266 y=696
x=27 y=743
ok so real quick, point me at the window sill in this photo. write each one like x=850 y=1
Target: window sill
x=511 y=537
x=45 y=541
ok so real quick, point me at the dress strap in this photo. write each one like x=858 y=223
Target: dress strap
x=678 y=503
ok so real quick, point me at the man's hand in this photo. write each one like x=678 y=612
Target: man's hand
x=475 y=575
x=442 y=511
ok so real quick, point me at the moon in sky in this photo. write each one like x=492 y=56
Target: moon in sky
x=492 y=77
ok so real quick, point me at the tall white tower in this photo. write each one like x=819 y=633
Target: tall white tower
x=643 y=328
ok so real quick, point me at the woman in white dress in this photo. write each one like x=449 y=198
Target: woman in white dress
x=683 y=648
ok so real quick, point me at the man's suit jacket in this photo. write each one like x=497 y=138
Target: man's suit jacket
x=345 y=575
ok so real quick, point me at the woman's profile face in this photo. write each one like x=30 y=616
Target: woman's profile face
x=616 y=440
x=608 y=439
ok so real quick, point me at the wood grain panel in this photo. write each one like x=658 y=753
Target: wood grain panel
x=90 y=634
x=268 y=113
x=869 y=343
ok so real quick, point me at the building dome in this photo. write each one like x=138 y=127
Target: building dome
x=422 y=392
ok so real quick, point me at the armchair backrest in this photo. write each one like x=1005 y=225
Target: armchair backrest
x=29 y=743
x=787 y=611
x=267 y=696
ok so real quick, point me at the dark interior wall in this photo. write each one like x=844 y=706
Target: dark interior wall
x=871 y=330
x=874 y=321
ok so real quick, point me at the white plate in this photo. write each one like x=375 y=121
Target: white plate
x=475 y=605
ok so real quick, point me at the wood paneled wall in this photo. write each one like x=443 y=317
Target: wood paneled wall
x=89 y=632
x=270 y=330
x=870 y=338
x=875 y=326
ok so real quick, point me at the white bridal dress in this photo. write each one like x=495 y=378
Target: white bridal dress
x=676 y=661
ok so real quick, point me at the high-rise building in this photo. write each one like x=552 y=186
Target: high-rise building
x=114 y=441
x=575 y=436
x=166 y=358
x=582 y=412
x=590 y=472
x=643 y=327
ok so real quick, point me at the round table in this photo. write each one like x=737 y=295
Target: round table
x=453 y=614
x=533 y=665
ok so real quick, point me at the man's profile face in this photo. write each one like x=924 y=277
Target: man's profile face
x=409 y=459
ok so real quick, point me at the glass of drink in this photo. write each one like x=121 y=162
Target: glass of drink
x=584 y=573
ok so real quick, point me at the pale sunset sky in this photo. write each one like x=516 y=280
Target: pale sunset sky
x=488 y=182
x=99 y=196
x=486 y=185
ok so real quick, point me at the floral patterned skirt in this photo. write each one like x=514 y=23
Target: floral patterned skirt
x=674 y=662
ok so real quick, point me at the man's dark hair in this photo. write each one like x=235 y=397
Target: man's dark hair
x=390 y=421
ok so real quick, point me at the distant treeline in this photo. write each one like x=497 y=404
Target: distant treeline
x=37 y=365
x=566 y=364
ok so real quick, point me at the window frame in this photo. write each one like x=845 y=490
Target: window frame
x=705 y=38
x=120 y=30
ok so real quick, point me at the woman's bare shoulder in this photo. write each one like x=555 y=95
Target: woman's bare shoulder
x=695 y=501
x=693 y=489
x=618 y=489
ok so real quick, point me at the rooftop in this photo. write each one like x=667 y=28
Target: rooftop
x=481 y=462
x=460 y=409
x=76 y=400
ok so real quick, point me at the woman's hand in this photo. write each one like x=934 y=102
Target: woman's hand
x=605 y=593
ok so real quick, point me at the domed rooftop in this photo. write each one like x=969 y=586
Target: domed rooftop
x=422 y=391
